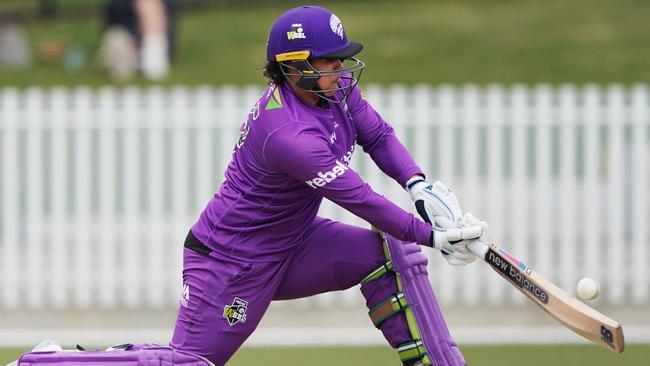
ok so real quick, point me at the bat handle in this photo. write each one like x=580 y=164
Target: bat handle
x=478 y=248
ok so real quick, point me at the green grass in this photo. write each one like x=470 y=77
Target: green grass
x=635 y=355
x=435 y=42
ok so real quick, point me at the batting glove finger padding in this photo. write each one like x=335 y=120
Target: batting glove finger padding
x=457 y=253
x=455 y=239
x=470 y=220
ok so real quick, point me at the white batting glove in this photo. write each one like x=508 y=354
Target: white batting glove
x=469 y=220
x=458 y=258
x=452 y=243
x=436 y=204
x=461 y=255
x=453 y=240
x=439 y=206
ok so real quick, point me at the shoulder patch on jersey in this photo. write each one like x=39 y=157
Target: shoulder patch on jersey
x=275 y=102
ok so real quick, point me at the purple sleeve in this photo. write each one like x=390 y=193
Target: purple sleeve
x=378 y=139
x=304 y=154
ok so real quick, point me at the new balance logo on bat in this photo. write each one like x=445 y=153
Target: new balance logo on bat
x=515 y=276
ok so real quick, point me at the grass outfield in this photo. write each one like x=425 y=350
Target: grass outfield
x=634 y=355
x=504 y=41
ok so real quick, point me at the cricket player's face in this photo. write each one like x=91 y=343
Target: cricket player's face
x=331 y=81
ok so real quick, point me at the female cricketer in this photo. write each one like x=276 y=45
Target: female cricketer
x=259 y=239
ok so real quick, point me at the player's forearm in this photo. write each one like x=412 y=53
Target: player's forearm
x=382 y=213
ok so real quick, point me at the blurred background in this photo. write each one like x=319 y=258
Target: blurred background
x=117 y=119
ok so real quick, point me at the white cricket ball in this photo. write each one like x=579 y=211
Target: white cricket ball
x=588 y=289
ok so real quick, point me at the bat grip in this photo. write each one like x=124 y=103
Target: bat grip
x=478 y=248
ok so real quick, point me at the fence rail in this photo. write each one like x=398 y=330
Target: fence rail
x=99 y=187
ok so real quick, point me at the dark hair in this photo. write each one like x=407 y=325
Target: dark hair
x=273 y=72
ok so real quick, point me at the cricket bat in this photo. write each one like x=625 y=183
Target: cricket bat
x=570 y=311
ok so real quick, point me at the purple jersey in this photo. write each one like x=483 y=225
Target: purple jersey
x=290 y=155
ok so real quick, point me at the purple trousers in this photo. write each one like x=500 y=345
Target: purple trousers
x=224 y=299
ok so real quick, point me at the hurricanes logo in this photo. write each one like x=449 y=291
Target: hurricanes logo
x=336 y=26
x=296 y=32
x=236 y=312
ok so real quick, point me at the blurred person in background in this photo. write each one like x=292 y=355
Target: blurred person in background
x=14 y=48
x=259 y=239
x=138 y=35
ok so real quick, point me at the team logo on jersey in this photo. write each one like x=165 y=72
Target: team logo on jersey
x=275 y=101
x=296 y=32
x=336 y=26
x=236 y=312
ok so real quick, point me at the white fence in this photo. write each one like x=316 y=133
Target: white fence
x=99 y=187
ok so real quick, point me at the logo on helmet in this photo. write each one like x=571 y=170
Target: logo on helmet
x=337 y=27
x=296 y=32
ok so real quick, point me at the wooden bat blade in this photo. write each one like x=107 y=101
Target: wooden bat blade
x=570 y=311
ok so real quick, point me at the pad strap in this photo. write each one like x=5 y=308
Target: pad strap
x=389 y=307
x=411 y=350
x=379 y=272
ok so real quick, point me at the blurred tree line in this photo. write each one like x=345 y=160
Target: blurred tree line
x=43 y=10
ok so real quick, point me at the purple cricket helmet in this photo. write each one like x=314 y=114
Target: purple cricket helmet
x=311 y=32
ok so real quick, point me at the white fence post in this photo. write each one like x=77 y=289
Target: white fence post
x=545 y=228
x=33 y=112
x=11 y=258
x=617 y=248
x=61 y=289
x=592 y=120
x=519 y=220
x=227 y=120
x=107 y=118
x=156 y=119
x=132 y=241
x=81 y=232
x=205 y=120
x=567 y=183
x=640 y=155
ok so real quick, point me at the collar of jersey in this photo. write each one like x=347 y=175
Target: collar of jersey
x=297 y=100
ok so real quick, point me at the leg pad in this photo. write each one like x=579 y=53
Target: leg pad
x=130 y=354
x=411 y=266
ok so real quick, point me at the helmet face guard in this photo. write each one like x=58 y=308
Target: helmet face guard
x=303 y=75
